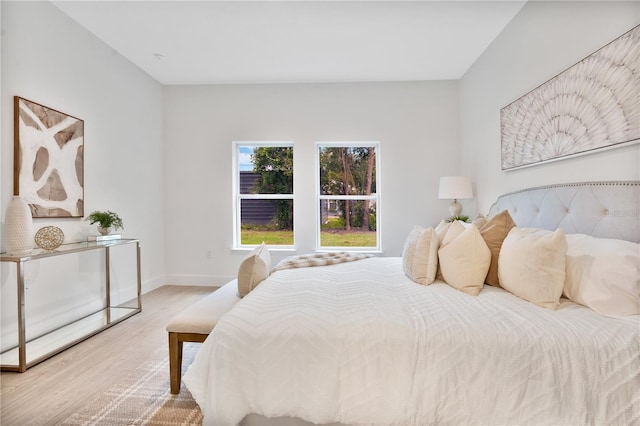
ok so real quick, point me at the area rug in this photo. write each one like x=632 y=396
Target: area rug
x=144 y=398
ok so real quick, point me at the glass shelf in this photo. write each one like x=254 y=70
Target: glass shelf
x=37 y=349
x=38 y=253
x=40 y=348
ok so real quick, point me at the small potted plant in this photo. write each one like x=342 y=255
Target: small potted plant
x=106 y=221
x=461 y=218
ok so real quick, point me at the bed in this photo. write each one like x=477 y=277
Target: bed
x=362 y=343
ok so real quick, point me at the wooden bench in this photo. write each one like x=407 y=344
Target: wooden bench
x=194 y=325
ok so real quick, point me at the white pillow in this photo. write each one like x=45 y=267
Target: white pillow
x=531 y=265
x=603 y=274
x=420 y=255
x=464 y=258
x=253 y=269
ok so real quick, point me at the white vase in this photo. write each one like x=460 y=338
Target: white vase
x=18 y=227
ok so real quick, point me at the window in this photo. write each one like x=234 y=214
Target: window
x=263 y=191
x=349 y=203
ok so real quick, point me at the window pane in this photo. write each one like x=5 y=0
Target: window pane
x=270 y=221
x=345 y=224
x=265 y=170
x=347 y=170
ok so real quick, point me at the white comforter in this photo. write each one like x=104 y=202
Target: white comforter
x=359 y=343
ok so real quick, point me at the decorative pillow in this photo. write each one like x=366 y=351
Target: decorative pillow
x=479 y=221
x=454 y=229
x=603 y=274
x=420 y=255
x=441 y=231
x=494 y=232
x=253 y=269
x=532 y=265
x=464 y=258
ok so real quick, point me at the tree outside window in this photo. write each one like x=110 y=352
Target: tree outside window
x=347 y=194
x=264 y=193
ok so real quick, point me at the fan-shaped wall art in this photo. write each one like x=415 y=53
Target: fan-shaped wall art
x=594 y=104
x=48 y=160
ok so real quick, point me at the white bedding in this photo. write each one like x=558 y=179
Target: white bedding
x=360 y=343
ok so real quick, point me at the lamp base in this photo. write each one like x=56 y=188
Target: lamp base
x=455 y=208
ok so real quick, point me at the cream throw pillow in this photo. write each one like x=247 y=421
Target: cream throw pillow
x=441 y=231
x=532 y=265
x=603 y=274
x=454 y=229
x=253 y=269
x=464 y=258
x=420 y=255
x=494 y=232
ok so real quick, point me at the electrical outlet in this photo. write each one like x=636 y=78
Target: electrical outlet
x=208 y=254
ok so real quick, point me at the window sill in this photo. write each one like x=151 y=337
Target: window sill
x=245 y=250
x=350 y=250
x=293 y=250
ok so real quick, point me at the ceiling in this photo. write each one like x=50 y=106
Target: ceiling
x=227 y=42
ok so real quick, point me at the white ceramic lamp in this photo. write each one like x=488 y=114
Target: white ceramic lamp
x=455 y=188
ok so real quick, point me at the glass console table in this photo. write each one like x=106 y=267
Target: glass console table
x=35 y=349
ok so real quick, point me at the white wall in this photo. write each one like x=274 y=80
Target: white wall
x=51 y=60
x=544 y=39
x=415 y=122
x=171 y=182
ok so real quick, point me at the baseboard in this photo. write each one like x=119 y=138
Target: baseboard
x=152 y=284
x=200 y=280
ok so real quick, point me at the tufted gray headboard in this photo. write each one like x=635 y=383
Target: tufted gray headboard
x=601 y=209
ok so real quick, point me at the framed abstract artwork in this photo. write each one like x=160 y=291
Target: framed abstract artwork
x=48 y=160
x=593 y=105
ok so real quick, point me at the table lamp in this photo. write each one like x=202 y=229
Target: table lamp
x=455 y=188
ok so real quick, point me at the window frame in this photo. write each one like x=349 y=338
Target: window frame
x=376 y=197
x=238 y=197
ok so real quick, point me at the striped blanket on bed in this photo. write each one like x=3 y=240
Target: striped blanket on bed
x=318 y=259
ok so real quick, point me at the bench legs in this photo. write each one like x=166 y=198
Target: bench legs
x=175 y=355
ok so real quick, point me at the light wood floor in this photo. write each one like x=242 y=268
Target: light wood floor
x=54 y=389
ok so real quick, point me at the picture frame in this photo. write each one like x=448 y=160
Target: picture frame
x=48 y=166
x=592 y=105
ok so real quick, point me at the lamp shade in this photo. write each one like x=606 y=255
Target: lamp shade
x=455 y=188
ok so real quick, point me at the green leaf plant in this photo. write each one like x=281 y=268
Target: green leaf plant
x=106 y=219
x=461 y=218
